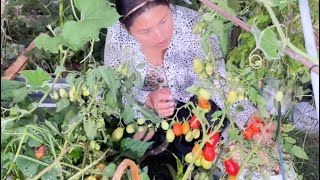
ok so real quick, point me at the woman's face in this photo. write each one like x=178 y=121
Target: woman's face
x=153 y=29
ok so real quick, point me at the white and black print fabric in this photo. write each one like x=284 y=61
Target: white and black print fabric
x=177 y=66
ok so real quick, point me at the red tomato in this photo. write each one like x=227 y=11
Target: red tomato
x=194 y=122
x=248 y=133
x=177 y=129
x=213 y=140
x=232 y=167
x=209 y=153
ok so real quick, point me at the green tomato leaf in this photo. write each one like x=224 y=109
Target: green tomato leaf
x=109 y=170
x=289 y=140
x=28 y=168
x=127 y=114
x=267 y=42
x=62 y=104
x=95 y=14
x=299 y=152
x=7 y=86
x=90 y=128
x=149 y=115
x=134 y=148
x=287 y=127
x=144 y=176
x=36 y=78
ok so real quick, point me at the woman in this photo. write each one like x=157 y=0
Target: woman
x=161 y=47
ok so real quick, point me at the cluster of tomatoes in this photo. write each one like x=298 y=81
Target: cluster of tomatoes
x=188 y=128
x=253 y=129
x=205 y=156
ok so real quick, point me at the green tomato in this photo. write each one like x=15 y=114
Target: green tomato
x=197 y=66
x=189 y=137
x=279 y=96
x=209 y=68
x=130 y=128
x=117 y=134
x=196 y=133
x=92 y=144
x=141 y=121
x=170 y=135
x=206 y=164
x=197 y=162
x=63 y=93
x=97 y=147
x=164 y=125
x=204 y=93
x=55 y=95
x=188 y=158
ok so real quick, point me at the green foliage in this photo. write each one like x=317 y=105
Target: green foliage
x=94 y=16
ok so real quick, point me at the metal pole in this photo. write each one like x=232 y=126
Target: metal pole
x=310 y=46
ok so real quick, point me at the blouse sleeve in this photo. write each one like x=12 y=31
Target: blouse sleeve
x=240 y=117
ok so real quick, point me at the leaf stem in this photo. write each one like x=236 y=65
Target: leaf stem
x=73 y=10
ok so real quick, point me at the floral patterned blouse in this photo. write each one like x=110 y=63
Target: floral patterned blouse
x=176 y=72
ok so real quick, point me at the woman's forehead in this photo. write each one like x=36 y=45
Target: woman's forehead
x=151 y=17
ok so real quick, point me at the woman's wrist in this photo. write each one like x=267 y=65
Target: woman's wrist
x=148 y=103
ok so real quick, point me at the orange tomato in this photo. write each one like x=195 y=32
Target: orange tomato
x=177 y=129
x=185 y=128
x=204 y=104
x=40 y=151
x=195 y=149
x=232 y=177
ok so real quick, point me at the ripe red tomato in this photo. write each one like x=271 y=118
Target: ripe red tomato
x=177 y=129
x=194 y=122
x=232 y=167
x=255 y=126
x=213 y=140
x=248 y=133
x=209 y=153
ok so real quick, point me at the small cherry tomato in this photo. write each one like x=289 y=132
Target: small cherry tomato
x=214 y=140
x=204 y=104
x=209 y=153
x=185 y=128
x=195 y=149
x=177 y=129
x=40 y=151
x=232 y=167
x=248 y=133
x=194 y=122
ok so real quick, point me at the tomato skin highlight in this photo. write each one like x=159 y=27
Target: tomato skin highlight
x=232 y=167
x=194 y=122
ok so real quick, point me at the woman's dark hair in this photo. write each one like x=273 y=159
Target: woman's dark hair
x=125 y=8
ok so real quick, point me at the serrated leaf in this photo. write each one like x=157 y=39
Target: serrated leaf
x=127 y=115
x=62 y=104
x=134 y=148
x=49 y=43
x=299 y=152
x=90 y=128
x=179 y=167
x=7 y=86
x=52 y=174
x=19 y=94
x=36 y=78
x=109 y=170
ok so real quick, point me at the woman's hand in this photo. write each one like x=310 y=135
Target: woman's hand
x=161 y=101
